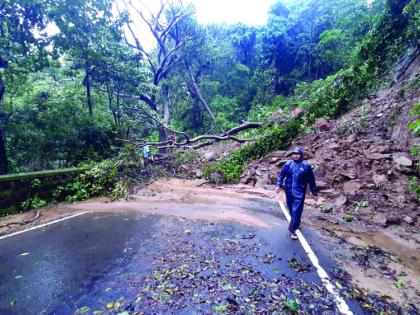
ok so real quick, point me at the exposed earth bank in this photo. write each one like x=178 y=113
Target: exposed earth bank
x=365 y=170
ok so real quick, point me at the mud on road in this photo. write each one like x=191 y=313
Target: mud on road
x=177 y=247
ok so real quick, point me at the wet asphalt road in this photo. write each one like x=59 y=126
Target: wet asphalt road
x=88 y=262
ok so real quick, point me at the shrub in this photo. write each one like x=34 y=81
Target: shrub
x=33 y=203
x=230 y=168
x=110 y=177
x=100 y=179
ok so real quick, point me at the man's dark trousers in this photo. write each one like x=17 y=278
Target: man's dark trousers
x=294 y=177
x=295 y=205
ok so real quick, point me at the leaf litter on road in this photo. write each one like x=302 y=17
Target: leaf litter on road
x=216 y=270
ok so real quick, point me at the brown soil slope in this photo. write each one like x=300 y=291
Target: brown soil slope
x=366 y=213
x=362 y=161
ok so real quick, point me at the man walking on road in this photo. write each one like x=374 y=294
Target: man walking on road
x=298 y=174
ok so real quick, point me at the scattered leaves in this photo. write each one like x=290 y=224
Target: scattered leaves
x=220 y=308
x=83 y=310
x=347 y=218
x=297 y=266
x=399 y=283
x=292 y=305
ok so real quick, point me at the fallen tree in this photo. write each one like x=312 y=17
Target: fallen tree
x=182 y=139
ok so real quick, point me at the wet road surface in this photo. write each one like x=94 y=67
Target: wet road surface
x=108 y=263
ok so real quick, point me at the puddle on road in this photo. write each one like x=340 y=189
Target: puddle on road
x=409 y=254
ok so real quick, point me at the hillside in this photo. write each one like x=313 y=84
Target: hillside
x=364 y=169
x=364 y=156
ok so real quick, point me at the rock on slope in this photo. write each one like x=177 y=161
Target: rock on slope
x=362 y=161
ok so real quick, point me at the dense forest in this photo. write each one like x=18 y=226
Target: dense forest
x=147 y=158
x=77 y=82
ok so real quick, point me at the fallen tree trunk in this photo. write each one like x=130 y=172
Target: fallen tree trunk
x=196 y=142
x=208 y=139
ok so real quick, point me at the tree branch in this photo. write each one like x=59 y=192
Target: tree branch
x=197 y=91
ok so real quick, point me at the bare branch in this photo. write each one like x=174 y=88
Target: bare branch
x=243 y=126
x=184 y=134
x=228 y=135
x=148 y=101
x=197 y=91
x=181 y=15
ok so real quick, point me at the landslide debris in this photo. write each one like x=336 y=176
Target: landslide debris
x=362 y=161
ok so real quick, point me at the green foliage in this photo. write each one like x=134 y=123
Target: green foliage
x=399 y=283
x=414 y=126
x=291 y=305
x=391 y=35
x=415 y=150
x=414 y=185
x=263 y=113
x=220 y=308
x=331 y=96
x=332 y=45
x=35 y=183
x=230 y=168
x=111 y=178
x=50 y=128
x=33 y=203
x=362 y=204
x=100 y=179
x=347 y=218
x=227 y=111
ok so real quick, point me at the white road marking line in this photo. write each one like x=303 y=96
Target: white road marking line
x=341 y=304
x=43 y=225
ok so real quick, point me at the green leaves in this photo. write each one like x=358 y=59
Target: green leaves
x=414 y=126
x=298 y=266
x=83 y=310
x=33 y=203
x=399 y=283
x=291 y=305
x=220 y=308
x=347 y=218
x=231 y=167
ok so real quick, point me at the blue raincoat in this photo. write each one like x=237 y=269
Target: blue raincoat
x=295 y=177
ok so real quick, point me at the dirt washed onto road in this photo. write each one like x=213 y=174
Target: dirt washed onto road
x=166 y=197
x=364 y=271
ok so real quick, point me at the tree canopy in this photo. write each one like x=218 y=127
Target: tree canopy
x=78 y=79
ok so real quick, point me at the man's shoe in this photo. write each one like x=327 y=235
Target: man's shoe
x=293 y=236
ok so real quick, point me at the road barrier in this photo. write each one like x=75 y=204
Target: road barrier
x=16 y=188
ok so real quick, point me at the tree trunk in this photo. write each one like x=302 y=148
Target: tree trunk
x=88 y=92
x=166 y=104
x=114 y=115
x=162 y=131
x=198 y=93
x=3 y=155
x=196 y=112
x=118 y=108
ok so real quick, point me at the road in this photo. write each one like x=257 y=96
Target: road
x=139 y=262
